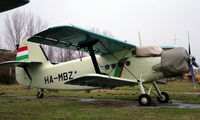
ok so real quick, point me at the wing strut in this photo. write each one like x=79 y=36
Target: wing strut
x=89 y=43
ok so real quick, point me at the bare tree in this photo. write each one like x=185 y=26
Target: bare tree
x=14 y=29
x=49 y=51
x=94 y=29
x=34 y=25
x=20 y=25
x=107 y=33
x=65 y=55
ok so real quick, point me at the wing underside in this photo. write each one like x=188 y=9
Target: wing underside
x=103 y=81
x=70 y=37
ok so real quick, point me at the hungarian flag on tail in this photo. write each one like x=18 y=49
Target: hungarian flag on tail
x=22 y=53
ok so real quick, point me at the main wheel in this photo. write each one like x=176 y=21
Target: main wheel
x=40 y=95
x=145 y=100
x=164 y=99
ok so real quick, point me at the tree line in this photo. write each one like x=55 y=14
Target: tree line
x=21 y=25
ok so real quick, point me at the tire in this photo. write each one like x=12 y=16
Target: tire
x=165 y=98
x=40 y=95
x=145 y=100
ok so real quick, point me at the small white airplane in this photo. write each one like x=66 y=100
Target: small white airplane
x=112 y=63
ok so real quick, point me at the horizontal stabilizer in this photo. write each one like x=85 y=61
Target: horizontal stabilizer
x=19 y=63
x=103 y=81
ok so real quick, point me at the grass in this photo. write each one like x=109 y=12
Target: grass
x=34 y=109
x=62 y=109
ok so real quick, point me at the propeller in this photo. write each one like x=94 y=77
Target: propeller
x=192 y=62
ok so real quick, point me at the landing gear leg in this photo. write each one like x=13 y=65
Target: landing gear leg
x=144 y=99
x=162 y=97
x=40 y=94
x=87 y=91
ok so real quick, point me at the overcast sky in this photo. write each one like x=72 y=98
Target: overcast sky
x=160 y=22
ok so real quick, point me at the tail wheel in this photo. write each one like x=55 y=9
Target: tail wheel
x=145 y=100
x=40 y=95
x=164 y=99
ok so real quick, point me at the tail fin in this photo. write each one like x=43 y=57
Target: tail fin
x=29 y=51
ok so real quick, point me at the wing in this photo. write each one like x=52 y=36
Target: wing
x=19 y=64
x=103 y=81
x=70 y=37
x=10 y=4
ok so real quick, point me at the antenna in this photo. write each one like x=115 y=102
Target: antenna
x=189 y=49
x=139 y=38
x=175 y=39
x=188 y=36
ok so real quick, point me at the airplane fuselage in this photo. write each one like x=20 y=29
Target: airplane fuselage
x=53 y=76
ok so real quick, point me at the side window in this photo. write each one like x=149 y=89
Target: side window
x=133 y=53
x=107 y=67
x=128 y=63
x=113 y=66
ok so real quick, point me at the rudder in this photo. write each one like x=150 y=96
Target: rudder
x=29 y=51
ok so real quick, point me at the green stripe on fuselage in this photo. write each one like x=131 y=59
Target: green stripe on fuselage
x=119 y=68
x=22 y=57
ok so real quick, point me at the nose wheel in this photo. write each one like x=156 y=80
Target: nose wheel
x=40 y=94
x=146 y=100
